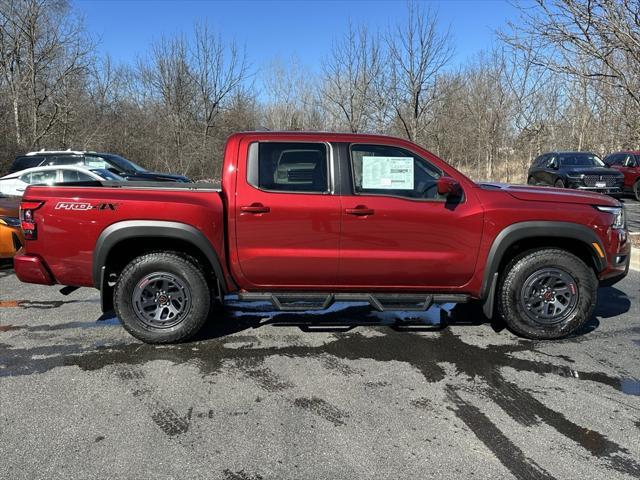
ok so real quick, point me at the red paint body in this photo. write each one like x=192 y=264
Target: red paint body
x=631 y=174
x=309 y=241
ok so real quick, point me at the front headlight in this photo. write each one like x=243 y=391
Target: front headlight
x=619 y=216
x=11 y=221
x=578 y=176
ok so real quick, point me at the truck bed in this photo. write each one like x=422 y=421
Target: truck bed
x=72 y=218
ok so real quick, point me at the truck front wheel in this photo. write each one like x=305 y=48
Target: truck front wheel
x=162 y=297
x=547 y=294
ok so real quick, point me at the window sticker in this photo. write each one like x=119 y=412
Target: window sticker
x=391 y=173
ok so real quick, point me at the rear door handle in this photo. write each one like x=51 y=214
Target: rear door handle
x=360 y=210
x=255 y=208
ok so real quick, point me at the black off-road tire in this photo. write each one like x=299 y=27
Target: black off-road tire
x=559 y=184
x=531 y=181
x=180 y=267
x=523 y=267
x=636 y=190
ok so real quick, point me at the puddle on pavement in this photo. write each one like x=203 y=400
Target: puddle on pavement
x=482 y=366
x=41 y=305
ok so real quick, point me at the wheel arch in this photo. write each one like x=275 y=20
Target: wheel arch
x=520 y=237
x=120 y=242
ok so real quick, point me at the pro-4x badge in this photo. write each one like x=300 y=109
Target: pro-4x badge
x=85 y=206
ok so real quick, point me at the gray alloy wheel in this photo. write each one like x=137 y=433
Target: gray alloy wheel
x=161 y=300
x=549 y=296
x=162 y=297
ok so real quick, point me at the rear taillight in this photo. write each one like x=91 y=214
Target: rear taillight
x=28 y=218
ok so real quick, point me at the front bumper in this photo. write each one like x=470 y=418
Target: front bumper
x=618 y=259
x=32 y=269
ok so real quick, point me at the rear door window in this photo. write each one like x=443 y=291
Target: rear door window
x=289 y=167
x=64 y=160
x=75 y=176
x=46 y=177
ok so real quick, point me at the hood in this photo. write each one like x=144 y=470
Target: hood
x=591 y=171
x=156 y=177
x=553 y=195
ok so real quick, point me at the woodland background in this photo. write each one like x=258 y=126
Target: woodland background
x=566 y=76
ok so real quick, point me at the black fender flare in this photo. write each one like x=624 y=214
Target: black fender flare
x=532 y=229
x=127 y=229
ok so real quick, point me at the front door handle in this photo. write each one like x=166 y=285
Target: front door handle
x=255 y=208
x=360 y=210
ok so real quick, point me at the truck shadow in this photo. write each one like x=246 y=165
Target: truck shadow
x=237 y=316
x=343 y=317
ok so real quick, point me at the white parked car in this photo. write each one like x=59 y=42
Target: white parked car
x=16 y=183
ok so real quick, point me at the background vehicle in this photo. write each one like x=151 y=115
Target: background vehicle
x=11 y=238
x=579 y=170
x=16 y=183
x=305 y=219
x=627 y=163
x=92 y=160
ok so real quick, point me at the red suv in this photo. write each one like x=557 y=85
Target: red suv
x=629 y=164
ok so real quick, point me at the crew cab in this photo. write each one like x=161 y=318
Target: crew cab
x=306 y=219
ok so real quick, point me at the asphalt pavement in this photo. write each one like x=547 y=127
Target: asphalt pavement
x=633 y=214
x=340 y=395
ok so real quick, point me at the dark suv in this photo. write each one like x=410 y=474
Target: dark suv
x=108 y=161
x=627 y=163
x=579 y=170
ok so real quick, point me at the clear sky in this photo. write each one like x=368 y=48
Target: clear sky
x=279 y=28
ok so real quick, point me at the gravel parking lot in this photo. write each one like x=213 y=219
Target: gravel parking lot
x=266 y=395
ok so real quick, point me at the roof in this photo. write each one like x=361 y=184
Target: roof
x=57 y=152
x=569 y=152
x=345 y=136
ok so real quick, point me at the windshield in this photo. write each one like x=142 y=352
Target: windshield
x=123 y=164
x=580 y=160
x=106 y=174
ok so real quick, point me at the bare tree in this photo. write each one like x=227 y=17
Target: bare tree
x=597 y=40
x=418 y=52
x=168 y=76
x=218 y=70
x=291 y=92
x=350 y=74
x=43 y=47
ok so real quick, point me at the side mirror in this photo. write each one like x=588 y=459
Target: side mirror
x=449 y=187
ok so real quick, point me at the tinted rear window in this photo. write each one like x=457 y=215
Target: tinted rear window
x=22 y=163
x=63 y=160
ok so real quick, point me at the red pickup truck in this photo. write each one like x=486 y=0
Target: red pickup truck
x=306 y=219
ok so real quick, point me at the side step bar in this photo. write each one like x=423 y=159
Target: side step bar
x=383 y=302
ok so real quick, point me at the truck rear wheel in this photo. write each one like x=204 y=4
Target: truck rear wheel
x=162 y=297
x=547 y=294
